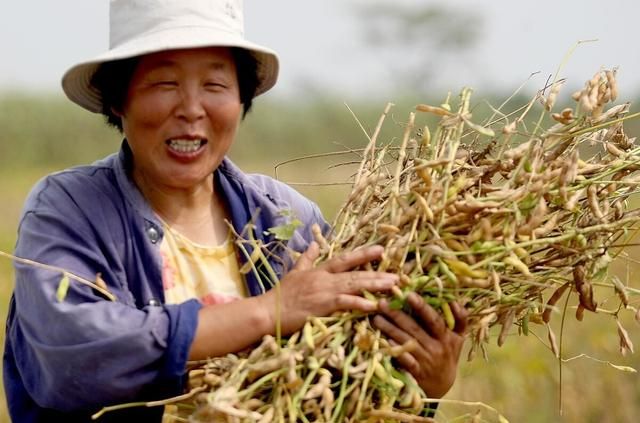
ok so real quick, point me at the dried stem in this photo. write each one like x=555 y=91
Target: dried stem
x=64 y=272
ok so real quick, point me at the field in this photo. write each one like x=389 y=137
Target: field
x=521 y=379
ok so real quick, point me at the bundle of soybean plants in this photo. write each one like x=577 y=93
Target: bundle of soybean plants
x=506 y=217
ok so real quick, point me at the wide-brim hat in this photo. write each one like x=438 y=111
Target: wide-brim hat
x=139 y=27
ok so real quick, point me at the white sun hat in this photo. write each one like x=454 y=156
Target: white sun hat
x=139 y=27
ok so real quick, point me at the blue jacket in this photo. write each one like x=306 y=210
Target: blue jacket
x=66 y=359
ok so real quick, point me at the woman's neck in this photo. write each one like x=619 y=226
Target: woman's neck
x=197 y=213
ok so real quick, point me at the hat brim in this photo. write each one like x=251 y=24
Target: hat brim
x=76 y=82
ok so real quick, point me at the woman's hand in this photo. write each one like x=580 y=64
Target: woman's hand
x=319 y=291
x=434 y=362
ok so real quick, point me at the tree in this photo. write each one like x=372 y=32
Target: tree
x=418 y=42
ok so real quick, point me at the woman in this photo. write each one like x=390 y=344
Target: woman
x=150 y=221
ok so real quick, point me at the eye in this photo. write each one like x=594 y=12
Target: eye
x=166 y=83
x=216 y=85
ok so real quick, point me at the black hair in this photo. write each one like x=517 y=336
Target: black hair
x=247 y=71
x=112 y=79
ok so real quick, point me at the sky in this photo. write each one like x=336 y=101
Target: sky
x=321 y=44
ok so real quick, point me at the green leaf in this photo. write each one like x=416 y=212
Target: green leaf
x=525 y=325
x=432 y=301
x=63 y=288
x=285 y=232
x=396 y=304
x=479 y=246
x=528 y=203
x=601 y=274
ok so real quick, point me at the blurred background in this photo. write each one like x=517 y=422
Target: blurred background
x=341 y=62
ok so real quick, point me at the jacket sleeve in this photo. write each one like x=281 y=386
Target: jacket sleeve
x=78 y=350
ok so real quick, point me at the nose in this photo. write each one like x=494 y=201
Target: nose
x=191 y=107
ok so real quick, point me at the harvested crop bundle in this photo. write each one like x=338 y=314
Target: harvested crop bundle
x=496 y=227
x=506 y=218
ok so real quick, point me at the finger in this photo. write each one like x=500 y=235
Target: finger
x=356 y=282
x=406 y=323
x=354 y=302
x=461 y=315
x=435 y=324
x=352 y=259
x=306 y=259
x=407 y=361
x=392 y=332
x=400 y=327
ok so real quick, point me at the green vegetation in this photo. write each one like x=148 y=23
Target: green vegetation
x=521 y=379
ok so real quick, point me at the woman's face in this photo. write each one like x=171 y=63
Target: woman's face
x=180 y=115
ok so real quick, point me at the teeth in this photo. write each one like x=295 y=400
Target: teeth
x=185 y=146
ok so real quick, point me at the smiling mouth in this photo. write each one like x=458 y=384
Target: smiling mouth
x=185 y=146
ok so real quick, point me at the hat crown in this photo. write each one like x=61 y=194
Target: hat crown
x=139 y=27
x=132 y=19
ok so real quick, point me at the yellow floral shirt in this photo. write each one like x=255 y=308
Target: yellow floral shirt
x=190 y=270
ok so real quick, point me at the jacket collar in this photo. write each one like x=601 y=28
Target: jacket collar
x=247 y=202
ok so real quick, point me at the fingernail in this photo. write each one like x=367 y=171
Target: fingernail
x=376 y=250
x=371 y=306
x=383 y=304
x=375 y=321
x=414 y=297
